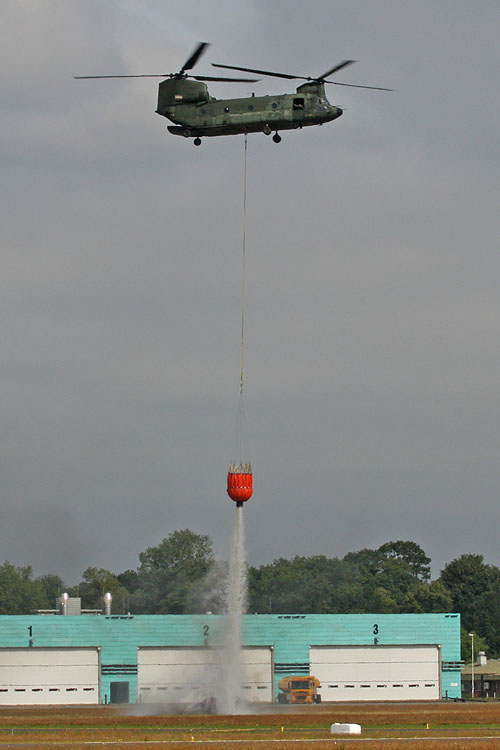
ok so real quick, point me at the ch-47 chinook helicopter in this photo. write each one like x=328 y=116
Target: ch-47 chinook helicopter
x=196 y=114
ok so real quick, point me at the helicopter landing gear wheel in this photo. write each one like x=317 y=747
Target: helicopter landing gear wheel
x=266 y=130
x=197 y=141
x=277 y=138
x=186 y=133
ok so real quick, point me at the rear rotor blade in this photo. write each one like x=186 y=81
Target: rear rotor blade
x=175 y=75
x=191 y=61
x=259 y=72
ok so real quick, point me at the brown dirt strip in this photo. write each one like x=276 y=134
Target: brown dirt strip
x=462 y=743
x=447 y=726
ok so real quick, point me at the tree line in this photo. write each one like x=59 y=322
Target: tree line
x=181 y=575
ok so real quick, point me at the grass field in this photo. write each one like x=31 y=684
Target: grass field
x=450 y=726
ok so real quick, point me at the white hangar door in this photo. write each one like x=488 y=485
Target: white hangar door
x=171 y=675
x=257 y=674
x=377 y=672
x=37 y=676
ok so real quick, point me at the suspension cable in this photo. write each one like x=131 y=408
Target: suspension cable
x=243 y=290
x=242 y=354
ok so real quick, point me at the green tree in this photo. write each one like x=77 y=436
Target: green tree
x=296 y=586
x=394 y=578
x=468 y=578
x=130 y=579
x=20 y=594
x=349 y=597
x=410 y=553
x=97 y=582
x=169 y=571
x=475 y=590
x=382 y=601
x=466 y=645
x=53 y=586
x=305 y=585
x=429 y=597
x=364 y=559
x=489 y=604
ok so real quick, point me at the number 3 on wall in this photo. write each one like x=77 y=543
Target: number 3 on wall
x=375 y=629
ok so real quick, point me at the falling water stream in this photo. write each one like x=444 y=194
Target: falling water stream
x=229 y=700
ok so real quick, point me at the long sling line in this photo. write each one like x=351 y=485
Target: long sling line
x=243 y=269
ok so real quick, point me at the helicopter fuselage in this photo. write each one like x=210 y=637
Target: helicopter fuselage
x=196 y=114
x=183 y=98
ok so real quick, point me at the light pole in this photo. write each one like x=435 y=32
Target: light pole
x=471 y=636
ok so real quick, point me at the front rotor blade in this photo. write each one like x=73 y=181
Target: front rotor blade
x=341 y=65
x=357 y=86
x=191 y=61
x=259 y=72
x=218 y=78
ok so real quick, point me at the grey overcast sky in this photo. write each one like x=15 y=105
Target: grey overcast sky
x=373 y=271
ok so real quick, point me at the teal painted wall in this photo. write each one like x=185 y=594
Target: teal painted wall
x=290 y=635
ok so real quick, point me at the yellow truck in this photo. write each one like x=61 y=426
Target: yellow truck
x=299 y=689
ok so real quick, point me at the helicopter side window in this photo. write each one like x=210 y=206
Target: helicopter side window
x=298 y=103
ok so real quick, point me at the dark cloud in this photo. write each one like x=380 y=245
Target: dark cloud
x=372 y=368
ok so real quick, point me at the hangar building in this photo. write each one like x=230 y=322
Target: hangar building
x=157 y=658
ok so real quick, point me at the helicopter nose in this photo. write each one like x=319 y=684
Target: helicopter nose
x=339 y=112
